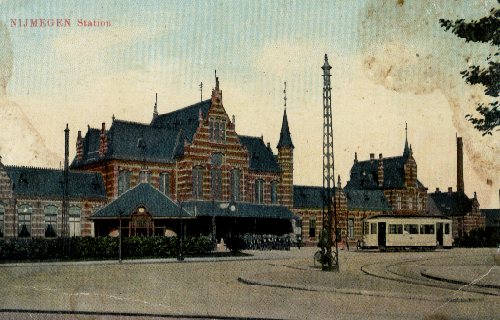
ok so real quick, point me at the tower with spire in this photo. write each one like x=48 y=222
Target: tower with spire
x=285 y=159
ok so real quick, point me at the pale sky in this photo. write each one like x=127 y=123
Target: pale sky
x=392 y=63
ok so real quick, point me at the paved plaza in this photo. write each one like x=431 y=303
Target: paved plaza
x=448 y=284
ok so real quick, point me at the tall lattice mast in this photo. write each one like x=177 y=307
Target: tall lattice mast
x=331 y=261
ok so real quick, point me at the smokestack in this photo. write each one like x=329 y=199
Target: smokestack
x=65 y=204
x=460 y=165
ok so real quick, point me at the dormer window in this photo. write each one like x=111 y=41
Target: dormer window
x=145 y=176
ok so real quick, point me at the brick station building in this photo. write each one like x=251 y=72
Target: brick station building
x=376 y=186
x=193 y=160
x=31 y=201
x=463 y=211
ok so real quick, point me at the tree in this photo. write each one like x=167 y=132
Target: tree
x=485 y=30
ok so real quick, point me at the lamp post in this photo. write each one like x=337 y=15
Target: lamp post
x=180 y=256
x=120 y=236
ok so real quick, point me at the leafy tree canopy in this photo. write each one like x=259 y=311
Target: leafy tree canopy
x=485 y=30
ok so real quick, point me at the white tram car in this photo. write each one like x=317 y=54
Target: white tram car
x=407 y=232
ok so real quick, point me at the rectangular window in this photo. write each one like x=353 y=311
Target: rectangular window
x=398 y=201
x=312 y=228
x=216 y=184
x=223 y=131
x=274 y=192
x=145 y=176
x=198 y=182
x=426 y=229
x=350 y=228
x=74 y=221
x=411 y=228
x=235 y=185
x=2 y=217
x=165 y=183
x=50 y=213
x=123 y=181
x=446 y=228
x=419 y=203
x=259 y=191
x=366 y=227
x=373 y=228
x=24 y=222
x=395 y=229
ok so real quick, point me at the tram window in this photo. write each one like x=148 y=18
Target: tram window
x=446 y=228
x=373 y=228
x=366 y=228
x=395 y=229
x=426 y=229
x=411 y=228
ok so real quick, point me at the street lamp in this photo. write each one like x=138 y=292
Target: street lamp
x=120 y=236
x=180 y=256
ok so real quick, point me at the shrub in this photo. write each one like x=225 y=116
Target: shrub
x=81 y=248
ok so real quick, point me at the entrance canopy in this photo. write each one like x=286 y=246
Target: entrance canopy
x=157 y=204
x=237 y=210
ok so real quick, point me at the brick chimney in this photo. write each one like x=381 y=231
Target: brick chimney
x=450 y=190
x=103 y=141
x=380 y=170
x=79 y=146
x=372 y=157
x=460 y=165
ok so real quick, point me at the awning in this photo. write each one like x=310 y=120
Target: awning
x=143 y=195
x=237 y=210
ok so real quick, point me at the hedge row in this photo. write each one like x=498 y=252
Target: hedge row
x=82 y=248
x=478 y=238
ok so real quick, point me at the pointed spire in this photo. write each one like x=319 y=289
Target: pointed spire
x=284 y=93
x=355 y=157
x=201 y=91
x=406 y=151
x=285 y=138
x=339 y=184
x=155 y=111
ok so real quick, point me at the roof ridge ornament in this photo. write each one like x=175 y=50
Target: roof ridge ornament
x=284 y=92
x=155 y=110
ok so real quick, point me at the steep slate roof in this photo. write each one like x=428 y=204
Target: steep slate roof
x=373 y=200
x=308 y=197
x=285 y=137
x=449 y=203
x=164 y=140
x=44 y=182
x=364 y=174
x=492 y=217
x=186 y=118
x=241 y=210
x=144 y=194
x=261 y=158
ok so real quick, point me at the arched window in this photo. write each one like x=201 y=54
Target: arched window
x=259 y=191
x=216 y=175
x=123 y=181
x=2 y=219
x=410 y=202
x=274 y=192
x=419 y=202
x=198 y=182
x=24 y=222
x=165 y=183
x=75 y=214
x=50 y=214
x=235 y=184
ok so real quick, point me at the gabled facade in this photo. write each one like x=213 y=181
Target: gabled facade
x=396 y=177
x=31 y=201
x=193 y=154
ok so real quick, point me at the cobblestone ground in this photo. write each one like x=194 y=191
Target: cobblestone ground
x=271 y=284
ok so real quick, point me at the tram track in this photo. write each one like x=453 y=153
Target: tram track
x=392 y=271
